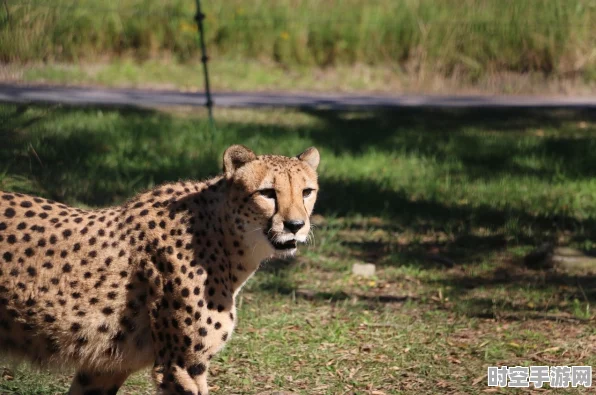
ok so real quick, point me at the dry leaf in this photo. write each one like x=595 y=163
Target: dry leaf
x=477 y=380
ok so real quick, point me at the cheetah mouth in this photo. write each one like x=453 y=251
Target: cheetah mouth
x=286 y=245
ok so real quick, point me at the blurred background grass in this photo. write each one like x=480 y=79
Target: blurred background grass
x=471 y=38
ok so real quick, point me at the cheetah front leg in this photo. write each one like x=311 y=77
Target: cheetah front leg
x=97 y=383
x=187 y=332
x=173 y=379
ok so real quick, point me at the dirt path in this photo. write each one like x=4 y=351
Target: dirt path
x=14 y=93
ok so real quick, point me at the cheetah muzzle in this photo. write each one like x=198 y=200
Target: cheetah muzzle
x=150 y=283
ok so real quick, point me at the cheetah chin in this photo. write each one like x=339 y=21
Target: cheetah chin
x=152 y=282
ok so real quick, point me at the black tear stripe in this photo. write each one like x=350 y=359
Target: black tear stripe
x=275 y=200
x=303 y=205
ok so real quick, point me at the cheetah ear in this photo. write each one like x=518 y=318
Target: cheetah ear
x=311 y=156
x=235 y=157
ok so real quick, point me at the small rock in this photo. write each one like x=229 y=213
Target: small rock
x=364 y=269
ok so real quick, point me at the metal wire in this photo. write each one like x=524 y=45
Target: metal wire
x=204 y=59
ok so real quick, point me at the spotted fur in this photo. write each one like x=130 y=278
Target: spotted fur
x=152 y=282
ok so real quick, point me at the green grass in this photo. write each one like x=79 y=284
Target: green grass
x=226 y=75
x=478 y=189
x=473 y=39
x=234 y=74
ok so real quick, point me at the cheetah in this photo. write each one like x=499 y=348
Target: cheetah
x=150 y=283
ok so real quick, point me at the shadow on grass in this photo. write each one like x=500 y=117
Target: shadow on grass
x=441 y=134
x=95 y=164
x=75 y=157
x=585 y=284
x=280 y=285
x=103 y=156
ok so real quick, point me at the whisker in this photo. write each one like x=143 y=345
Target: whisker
x=311 y=237
x=253 y=249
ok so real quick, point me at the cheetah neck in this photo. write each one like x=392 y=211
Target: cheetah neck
x=215 y=233
x=247 y=247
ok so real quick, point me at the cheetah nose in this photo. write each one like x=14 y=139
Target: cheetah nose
x=294 y=225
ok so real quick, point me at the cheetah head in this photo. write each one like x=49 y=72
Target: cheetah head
x=277 y=196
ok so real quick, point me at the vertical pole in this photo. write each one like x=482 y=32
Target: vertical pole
x=204 y=58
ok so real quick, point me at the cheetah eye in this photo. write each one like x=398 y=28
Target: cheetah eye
x=269 y=193
x=307 y=192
